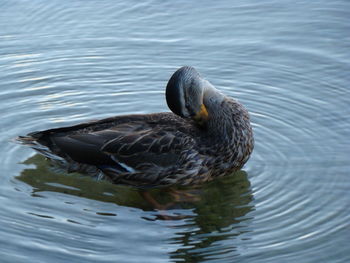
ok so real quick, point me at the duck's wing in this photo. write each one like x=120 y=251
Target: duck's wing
x=129 y=146
x=147 y=155
x=147 y=147
x=80 y=142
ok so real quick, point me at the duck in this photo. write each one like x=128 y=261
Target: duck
x=206 y=135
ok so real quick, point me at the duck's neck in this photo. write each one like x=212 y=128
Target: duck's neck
x=211 y=96
x=228 y=126
x=213 y=100
x=225 y=114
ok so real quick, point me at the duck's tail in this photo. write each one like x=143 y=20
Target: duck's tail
x=66 y=163
x=26 y=140
x=40 y=148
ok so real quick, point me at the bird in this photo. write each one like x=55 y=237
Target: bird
x=206 y=135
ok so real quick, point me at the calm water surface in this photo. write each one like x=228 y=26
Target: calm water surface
x=63 y=62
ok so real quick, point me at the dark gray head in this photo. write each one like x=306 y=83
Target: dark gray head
x=184 y=93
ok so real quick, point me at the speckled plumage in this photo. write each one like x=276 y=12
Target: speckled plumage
x=157 y=149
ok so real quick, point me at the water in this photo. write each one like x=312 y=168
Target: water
x=63 y=62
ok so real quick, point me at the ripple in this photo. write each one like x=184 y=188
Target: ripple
x=293 y=139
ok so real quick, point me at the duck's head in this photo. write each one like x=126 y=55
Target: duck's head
x=184 y=95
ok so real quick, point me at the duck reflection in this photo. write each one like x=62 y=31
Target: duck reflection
x=210 y=213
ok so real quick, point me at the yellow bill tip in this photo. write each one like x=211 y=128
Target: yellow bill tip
x=202 y=115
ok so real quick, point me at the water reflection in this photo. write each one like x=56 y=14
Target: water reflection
x=221 y=215
x=206 y=219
